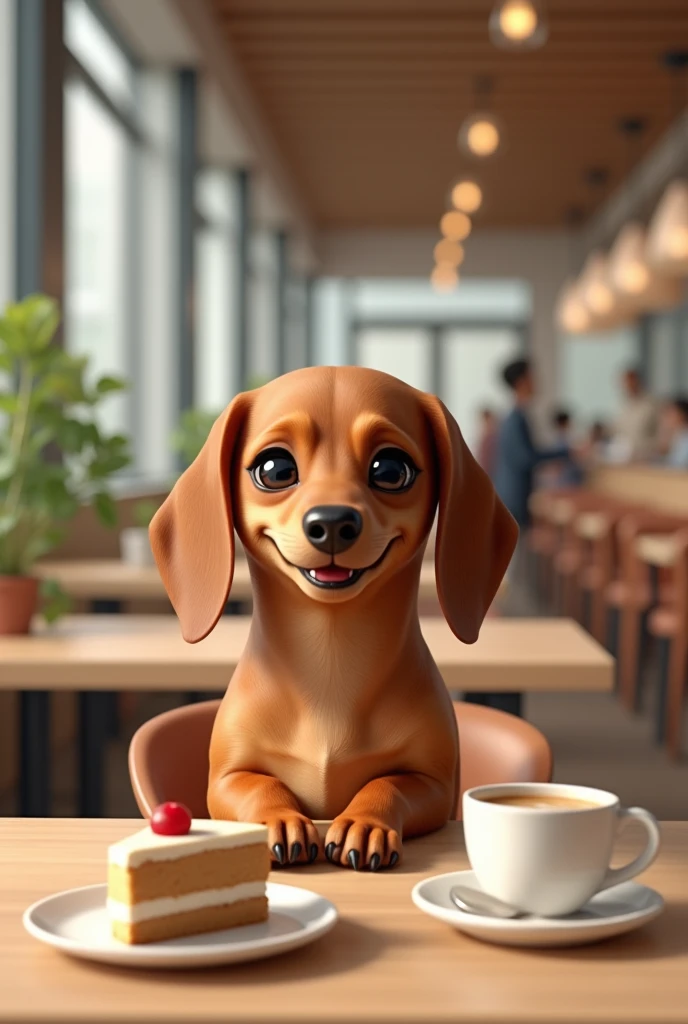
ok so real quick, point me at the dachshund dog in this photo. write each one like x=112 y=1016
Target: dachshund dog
x=331 y=477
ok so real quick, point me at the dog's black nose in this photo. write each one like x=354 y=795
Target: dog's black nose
x=332 y=528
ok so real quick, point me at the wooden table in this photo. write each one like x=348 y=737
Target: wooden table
x=111 y=580
x=384 y=961
x=97 y=653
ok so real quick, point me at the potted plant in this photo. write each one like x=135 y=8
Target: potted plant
x=134 y=544
x=192 y=433
x=53 y=454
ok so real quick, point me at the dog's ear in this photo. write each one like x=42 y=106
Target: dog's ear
x=192 y=533
x=476 y=535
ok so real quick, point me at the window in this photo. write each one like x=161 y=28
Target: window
x=263 y=342
x=590 y=371
x=97 y=287
x=95 y=49
x=216 y=283
x=7 y=147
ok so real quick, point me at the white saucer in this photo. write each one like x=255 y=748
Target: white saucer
x=76 y=922
x=612 y=912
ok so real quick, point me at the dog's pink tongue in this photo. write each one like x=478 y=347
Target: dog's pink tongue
x=332 y=574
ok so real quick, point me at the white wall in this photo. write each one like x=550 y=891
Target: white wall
x=8 y=150
x=541 y=258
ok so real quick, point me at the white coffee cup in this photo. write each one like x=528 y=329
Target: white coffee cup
x=549 y=860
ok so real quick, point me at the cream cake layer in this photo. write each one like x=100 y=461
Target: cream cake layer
x=205 y=834
x=212 y=869
x=145 y=910
x=193 y=922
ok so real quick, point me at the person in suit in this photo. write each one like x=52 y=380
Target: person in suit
x=517 y=455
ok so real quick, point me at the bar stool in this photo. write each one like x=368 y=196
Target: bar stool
x=668 y=623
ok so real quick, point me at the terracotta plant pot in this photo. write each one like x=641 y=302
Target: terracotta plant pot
x=18 y=600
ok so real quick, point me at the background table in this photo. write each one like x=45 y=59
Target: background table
x=384 y=961
x=109 y=579
x=97 y=653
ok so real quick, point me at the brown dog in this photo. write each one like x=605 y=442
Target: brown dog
x=336 y=710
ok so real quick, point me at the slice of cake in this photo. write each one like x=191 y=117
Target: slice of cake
x=163 y=886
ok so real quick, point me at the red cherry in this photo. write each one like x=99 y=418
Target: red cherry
x=171 y=819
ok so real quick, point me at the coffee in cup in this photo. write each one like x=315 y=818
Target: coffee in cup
x=545 y=848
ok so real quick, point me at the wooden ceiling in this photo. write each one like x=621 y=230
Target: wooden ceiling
x=365 y=98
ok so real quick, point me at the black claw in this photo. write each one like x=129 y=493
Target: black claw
x=278 y=851
x=295 y=852
x=353 y=859
x=393 y=859
x=313 y=854
x=375 y=862
x=329 y=851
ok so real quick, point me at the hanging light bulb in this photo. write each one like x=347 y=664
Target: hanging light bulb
x=467 y=196
x=571 y=314
x=518 y=24
x=632 y=277
x=480 y=135
x=449 y=253
x=444 y=278
x=667 y=239
x=455 y=226
x=595 y=290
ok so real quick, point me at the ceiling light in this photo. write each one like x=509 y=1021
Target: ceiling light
x=518 y=24
x=467 y=196
x=595 y=291
x=632 y=277
x=571 y=313
x=480 y=135
x=455 y=225
x=667 y=237
x=448 y=252
x=444 y=278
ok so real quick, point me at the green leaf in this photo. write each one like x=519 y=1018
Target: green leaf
x=11 y=334
x=55 y=601
x=108 y=384
x=106 y=509
x=8 y=465
x=8 y=523
x=9 y=403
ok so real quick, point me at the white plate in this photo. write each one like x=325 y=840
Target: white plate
x=612 y=912
x=76 y=922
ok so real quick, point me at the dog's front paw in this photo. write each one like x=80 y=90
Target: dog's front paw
x=292 y=838
x=362 y=842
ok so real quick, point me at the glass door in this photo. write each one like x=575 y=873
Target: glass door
x=404 y=352
x=471 y=362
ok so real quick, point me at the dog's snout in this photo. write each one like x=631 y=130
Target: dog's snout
x=332 y=528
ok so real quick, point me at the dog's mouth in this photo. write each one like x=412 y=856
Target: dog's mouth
x=337 y=577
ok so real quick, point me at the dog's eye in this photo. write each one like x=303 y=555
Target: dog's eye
x=274 y=470
x=392 y=470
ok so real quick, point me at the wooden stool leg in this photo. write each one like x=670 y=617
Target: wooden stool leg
x=598 y=616
x=676 y=682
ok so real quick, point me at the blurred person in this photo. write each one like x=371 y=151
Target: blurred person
x=635 y=431
x=487 y=441
x=517 y=454
x=675 y=422
x=567 y=472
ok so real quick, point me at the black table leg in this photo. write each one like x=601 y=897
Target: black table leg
x=664 y=655
x=512 y=703
x=34 y=756
x=94 y=710
x=103 y=607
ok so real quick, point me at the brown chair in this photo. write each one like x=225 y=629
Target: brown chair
x=668 y=623
x=168 y=755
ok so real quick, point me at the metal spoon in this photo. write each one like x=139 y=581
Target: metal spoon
x=473 y=901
